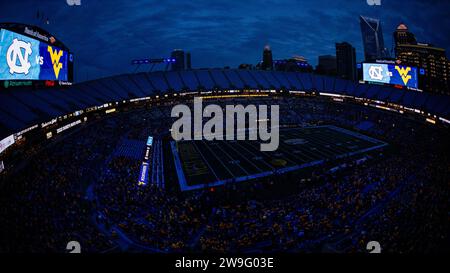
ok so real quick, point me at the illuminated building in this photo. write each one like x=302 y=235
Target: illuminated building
x=294 y=64
x=403 y=36
x=433 y=62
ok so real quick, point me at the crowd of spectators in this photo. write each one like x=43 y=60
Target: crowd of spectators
x=72 y=188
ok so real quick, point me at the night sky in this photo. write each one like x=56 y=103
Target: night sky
x=106 y=35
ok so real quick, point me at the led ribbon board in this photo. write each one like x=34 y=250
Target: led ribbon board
x=391 y=74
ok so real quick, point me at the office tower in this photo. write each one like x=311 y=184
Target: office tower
x=178 y=55
x=431 y=60
x=267 y=63
x=346 y=61
x=373 y=40
x=188 y=61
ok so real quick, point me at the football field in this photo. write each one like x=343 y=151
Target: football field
x=204 y=163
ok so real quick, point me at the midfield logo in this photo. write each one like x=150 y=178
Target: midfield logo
x=404 y=73
x=55 y=57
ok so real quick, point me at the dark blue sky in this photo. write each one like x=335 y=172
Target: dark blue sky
x=106 y=35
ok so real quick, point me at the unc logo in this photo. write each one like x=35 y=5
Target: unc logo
x=374 y=2
x=74 y=247
x=15 y=51
x=374 y=247
x=376 y=73
x=73 y=2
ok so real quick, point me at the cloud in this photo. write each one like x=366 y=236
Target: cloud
x=106 y=35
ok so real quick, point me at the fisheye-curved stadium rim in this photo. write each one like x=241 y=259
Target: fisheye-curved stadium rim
x=22 y=111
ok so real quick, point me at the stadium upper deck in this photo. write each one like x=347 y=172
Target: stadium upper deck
x=22 y=109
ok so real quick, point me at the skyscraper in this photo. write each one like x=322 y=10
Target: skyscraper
x=346 y=61
x=430 y=59
x=402 y=36
x=267 y=63
x=188 y=61
x=373 y=40
x=178 y=55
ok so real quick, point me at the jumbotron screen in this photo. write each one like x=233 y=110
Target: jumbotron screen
x=24 y=58
x=391 y=74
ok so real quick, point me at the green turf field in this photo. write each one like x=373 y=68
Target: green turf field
x=213 y=163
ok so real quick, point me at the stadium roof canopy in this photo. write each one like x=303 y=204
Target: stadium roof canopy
x=21 y=109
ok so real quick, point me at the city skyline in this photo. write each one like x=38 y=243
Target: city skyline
x=105 y=44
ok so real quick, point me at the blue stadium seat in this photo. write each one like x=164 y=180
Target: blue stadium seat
x=361 y=90
x=158 y=81
x=28 y=98
x=107 y=95
x=86 y=90
x=444 y=107
x=248 y=80
x=175 y=81
x=111 y=85
x=124 y=82
x=340 y=86
x=220 y=79
x=270 y=79
x=10 y=124
x=407 y=99
x=282 y=79
x=420 y=99
x=190 y=80
x=261 y=81
x=143 y=83
x=306 y=81
x=79 y=94
x=384 y=93
x=17 y=109
x=295 y=82
x=23 y=108
x=328 y=84
x=205 y=79
x=372 y=92
x=351 y=88
x=236 y=82
x=396 y=95
x=55 y=100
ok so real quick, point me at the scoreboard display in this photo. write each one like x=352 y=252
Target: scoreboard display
x=25 y=58
x=391 y=74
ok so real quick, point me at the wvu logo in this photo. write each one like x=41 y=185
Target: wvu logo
x=55 y=56
x=404 y=73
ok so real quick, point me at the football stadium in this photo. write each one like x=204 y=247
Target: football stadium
x=94 y=164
